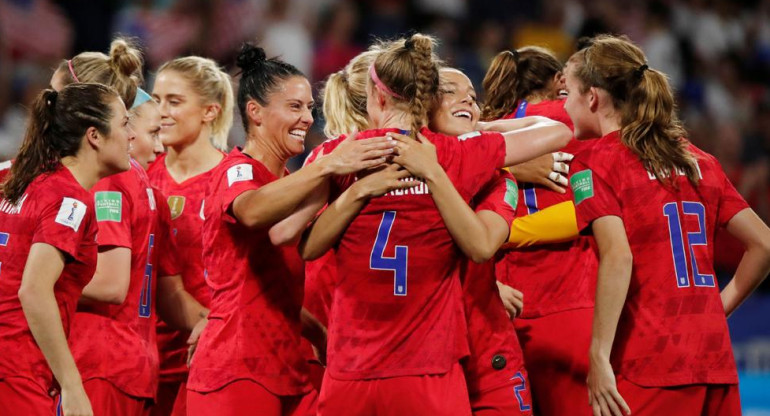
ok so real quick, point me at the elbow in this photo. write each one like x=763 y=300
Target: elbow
x=282 y=236
x=28 y=294
x=307 y=254
x=482 y=254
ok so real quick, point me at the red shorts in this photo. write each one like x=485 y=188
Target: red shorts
x=512 y=399
x=247 y=397
x=555 y=351
x=108 y=400
x=172 y=399
x=21 y=396
x=444 y=394
x=690 y=400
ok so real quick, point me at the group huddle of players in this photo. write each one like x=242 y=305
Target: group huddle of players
x=547 y=252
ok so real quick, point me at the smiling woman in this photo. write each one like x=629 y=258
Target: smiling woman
x=257 y=284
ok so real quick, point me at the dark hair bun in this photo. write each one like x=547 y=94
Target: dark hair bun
x=251 y=58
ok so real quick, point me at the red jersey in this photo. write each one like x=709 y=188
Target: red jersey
x=673 y=329
x=553 y=109
x=185 y=201
x=397 y=307
x=254 y=326
x=54 y=210
x=492 y=338
x=553 y=277
x=117 y=342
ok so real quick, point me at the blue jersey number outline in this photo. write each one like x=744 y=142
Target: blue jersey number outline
x=398 y=263
x=145 y=298
x=522 y=386
x=698 y=238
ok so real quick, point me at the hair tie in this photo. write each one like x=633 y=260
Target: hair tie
x=515 y=54
x=72 y=70
x=638 y=72
x=380 y=84
x=141 y=98
x=50 y=99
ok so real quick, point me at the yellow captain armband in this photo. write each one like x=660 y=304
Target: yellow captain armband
x=554 y=224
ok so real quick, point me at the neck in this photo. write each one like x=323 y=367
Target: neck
x=85 y=168
x=266 y=153
x=536 y=97
x=396 y=120
x=609 y=123
x=190 y=159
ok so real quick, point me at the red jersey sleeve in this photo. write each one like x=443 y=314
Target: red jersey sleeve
x=113 y=212
x=730 y=201
x=480 y=154
x=63 y=224
x=500 y=196
x=238 y=179
x=168 y=253
x=593 y=196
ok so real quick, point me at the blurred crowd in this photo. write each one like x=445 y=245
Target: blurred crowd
x=716 y=52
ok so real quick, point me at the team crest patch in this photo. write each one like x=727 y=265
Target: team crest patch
x=239 y=173
x=176 y=205
x=511 y=193
x=71 y=213
x=582 y=184
x=151 y=199
x=109 y=206
x=470 y=135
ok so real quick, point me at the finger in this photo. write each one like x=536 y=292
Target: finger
x=518 y=293
x=558 y=178
x=400 y=137
x=613 y=407
x=553 y=186
x=619 y=399
x=605 y=410
x=563 y=157
x=560 y=167
x=353 y=133
x=590 y=398
x=370 y=163
x=421 y=138
x=376 y=153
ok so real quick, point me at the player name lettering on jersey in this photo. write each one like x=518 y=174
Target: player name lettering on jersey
x=12 y=209
x=679 y=172
x=421 y=189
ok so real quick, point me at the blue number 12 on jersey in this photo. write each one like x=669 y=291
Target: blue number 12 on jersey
x=397 y=263
x=698 y=238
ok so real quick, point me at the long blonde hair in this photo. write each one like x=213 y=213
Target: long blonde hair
x=410 y=69
x=214 y=86
x=649 y=123
x=344 y=95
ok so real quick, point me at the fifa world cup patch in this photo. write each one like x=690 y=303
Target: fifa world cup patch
x=511 y=193
x=109 y=206
x=239 y=173
x=582 y=184
x=71 y=213
x=470 y=135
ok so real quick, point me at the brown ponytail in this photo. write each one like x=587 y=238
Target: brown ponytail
x=515 y=75
x=649 y=123
x=411 y=70
x=58 y=121
x=121 y=69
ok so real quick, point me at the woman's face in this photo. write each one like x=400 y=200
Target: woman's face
x=145 y=121
x=457 y=111
x=288 y=115
x=578 y=106
x=114 y=153
x=182 y=110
